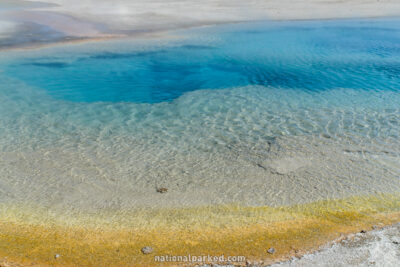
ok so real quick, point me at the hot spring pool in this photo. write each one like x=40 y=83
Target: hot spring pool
x=268 y=134
x=268 y=113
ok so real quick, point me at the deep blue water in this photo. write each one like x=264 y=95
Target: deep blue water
x=319 y=55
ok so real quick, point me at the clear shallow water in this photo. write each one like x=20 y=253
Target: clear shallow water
x=299 y=55
x=288 y=113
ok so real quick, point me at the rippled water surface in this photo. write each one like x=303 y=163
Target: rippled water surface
x=267 y=113
x=299 y=55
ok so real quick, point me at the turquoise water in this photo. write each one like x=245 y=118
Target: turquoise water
x=294 y=55
x=270 y=113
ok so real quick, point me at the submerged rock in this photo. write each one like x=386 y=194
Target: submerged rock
x=162 y=190
x=147 y=250
x=288 y=165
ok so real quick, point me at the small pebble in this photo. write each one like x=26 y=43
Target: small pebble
x=56 y=256
x=271 y=250
x=250 y=264
x=147 y=250
x=162 y=190
x=326 y=136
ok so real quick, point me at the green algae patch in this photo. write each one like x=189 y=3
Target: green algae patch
x=34 y=236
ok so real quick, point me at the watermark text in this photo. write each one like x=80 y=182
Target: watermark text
x=199 y=258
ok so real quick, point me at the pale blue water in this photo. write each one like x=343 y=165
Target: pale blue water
x=294 y=55
x=269 y=113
